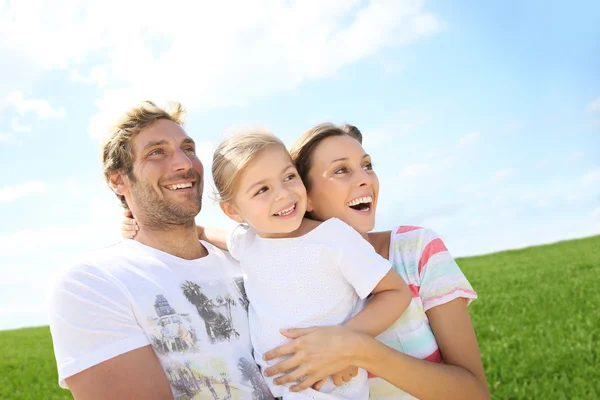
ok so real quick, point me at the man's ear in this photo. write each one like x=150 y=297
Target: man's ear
x=231 y=211
x=118 y=183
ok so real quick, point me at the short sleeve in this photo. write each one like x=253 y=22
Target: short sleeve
x=91 y=320
x=239 y=239
x=441 y=278
x=360 y=264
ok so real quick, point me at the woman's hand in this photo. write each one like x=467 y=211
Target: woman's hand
x=316 y=353
x=339 y=378
x=129 y=226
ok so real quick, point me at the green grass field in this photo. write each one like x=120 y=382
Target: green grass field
x=537 y=320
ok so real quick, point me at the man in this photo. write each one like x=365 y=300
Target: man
x=161 y=316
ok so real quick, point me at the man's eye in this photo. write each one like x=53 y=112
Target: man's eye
x=190 y=149
x=156 y=152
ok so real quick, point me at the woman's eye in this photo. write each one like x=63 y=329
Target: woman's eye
x=368 y=166
x=341 y=170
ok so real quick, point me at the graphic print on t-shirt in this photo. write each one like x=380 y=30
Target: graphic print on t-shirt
x=216 y=312
x=172 y=331
x=193 y=331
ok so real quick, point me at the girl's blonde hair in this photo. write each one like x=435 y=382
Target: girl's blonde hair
x=233 y=155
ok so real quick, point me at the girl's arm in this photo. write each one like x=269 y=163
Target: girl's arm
x=320 y=351
x=216 y=237
x=391 y=297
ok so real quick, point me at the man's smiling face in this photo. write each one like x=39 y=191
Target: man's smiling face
x=166 y=183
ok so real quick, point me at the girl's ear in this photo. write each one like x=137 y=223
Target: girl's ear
x=231 y=211
x=309 y=206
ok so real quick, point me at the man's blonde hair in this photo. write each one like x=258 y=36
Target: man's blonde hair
x=233 y=155
x=117 y=152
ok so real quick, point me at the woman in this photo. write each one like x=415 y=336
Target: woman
x=431 y=352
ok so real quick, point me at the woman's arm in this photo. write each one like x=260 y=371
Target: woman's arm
x=321 y=351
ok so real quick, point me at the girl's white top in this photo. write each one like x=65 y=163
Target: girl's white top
x=318 y=279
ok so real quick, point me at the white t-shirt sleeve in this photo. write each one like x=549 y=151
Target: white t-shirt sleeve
x=360 y=264
x=239 y=239
x=91 y=320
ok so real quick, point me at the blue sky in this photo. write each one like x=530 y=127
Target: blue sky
x=483 y=119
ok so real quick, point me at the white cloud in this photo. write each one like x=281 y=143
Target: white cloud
x=502 y=174
x=10 y=193
x=575 y=156
x=17 y=127
x=514 y=125
x=468 y=140
x=594 y=106
x=41 y=107
x=415 y=170
x=9 y=138
x=204 y=53
x=97 y=76
x=591 y=177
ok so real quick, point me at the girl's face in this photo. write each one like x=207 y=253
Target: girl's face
x=270 y=196
x=343 y=183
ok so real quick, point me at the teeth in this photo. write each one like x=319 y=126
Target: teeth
x=181 y=186
x=360 y=200
x=286 y=211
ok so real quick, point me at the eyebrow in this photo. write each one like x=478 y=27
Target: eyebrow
x=290 y=165
x=347 y=158
x=164 y=142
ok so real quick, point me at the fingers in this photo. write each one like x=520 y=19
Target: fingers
x=305 y=384
x=294 y=376
x=317 y=386
x=280 y=351
x=296 y=333
x=128 y=214
x=283 y=367
x=338 y=380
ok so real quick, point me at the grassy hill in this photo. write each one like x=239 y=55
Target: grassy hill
x=537 y=320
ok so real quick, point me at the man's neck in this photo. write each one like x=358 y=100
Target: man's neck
x=180 y=242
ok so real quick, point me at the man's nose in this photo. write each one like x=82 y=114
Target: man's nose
x=181 y=161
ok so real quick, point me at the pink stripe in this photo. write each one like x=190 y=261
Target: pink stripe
x=434 y=247
x=452 y=292
x=415 y=290
x=435 y=357
x=407 y=228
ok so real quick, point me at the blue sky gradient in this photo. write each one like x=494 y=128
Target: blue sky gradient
x=483 y=119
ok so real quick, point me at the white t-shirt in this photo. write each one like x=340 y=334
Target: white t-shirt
x=192 y=312
x=317 y=279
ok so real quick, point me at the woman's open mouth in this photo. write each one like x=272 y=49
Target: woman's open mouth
x=362 y=204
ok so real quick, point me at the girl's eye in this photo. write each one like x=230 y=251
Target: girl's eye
x=262 y=190
x=289 y=177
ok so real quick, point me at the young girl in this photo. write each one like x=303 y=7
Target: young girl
x=299 y=272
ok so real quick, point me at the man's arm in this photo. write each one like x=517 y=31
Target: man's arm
x=136 y=374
